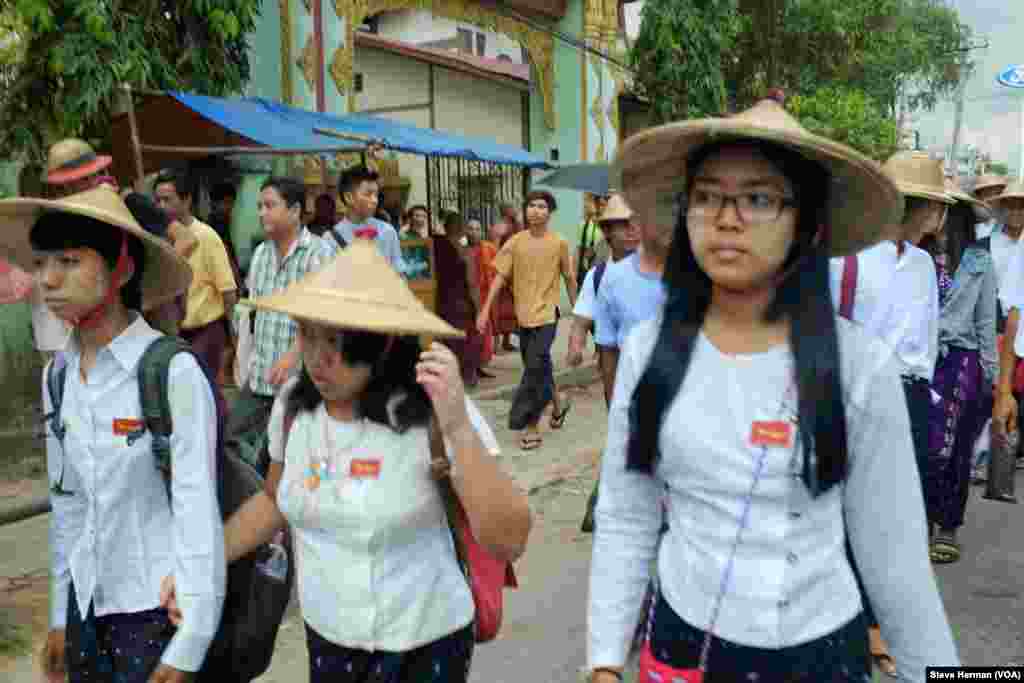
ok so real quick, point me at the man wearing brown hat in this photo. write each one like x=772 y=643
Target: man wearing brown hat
x=114 y=531
x=1010 y=203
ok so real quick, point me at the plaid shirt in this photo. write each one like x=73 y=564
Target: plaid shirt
x=275 y=332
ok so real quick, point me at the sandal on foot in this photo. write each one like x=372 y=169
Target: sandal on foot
x=944 y=549
x=530 y=443
x=880 y=653
x=558 y=419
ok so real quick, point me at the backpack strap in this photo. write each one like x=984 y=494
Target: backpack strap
x=598 y=274
x=56 y=373
x=848 y=288
x=338 y=238
x=154 y=371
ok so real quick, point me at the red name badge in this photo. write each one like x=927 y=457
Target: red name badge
x=365 y=469
x=778 y=433
x=124 y=426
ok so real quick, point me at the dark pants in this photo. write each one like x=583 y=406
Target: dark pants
x=209 y=342
x=838 y=656
x=445 y=660
x=246 y=433
x=919 y=407
x=117 y=648
x=537 y=388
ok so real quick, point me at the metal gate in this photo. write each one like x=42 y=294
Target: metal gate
x=474 y=189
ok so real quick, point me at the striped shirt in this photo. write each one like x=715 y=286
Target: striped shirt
x=275 y=332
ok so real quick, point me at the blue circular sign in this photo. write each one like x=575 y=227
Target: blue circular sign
x=1012 y=76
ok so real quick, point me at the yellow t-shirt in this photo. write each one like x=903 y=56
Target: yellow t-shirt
x=211 y=277
x=535 y=266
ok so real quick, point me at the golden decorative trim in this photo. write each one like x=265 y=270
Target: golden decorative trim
x=307 y=62
x=286 y=51
x=539 y=45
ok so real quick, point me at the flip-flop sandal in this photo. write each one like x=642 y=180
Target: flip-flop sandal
x=558 y=419
x=943 y=549
x=885 y=663
x=528 y=443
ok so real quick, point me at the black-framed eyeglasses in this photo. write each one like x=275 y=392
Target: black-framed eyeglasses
x=753 y=208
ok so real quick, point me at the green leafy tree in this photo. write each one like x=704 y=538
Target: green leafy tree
x=894 y=51
x=678 y=56
x=62 y=62
x=847 y=116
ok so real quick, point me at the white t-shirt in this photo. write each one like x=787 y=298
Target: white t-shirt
x=586 y=300
x=376 y=564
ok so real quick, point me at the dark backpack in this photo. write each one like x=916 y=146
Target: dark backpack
x=259 y=585
x=598 y=274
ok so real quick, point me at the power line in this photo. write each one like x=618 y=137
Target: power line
x=566 y=38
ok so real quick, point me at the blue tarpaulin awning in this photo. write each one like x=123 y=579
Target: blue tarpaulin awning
x=277 y=125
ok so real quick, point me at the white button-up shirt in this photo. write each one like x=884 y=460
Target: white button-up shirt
x=116 y=536
x=897 y=300
x=375 y=559
x=791 y=581
x=587 y=299
x=1002 y=247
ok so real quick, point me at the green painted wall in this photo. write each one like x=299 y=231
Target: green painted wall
x=569 y=116
x=265 y=54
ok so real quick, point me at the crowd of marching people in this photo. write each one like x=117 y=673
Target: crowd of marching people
x=807 y=358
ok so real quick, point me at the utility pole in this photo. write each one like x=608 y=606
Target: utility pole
x=958 y=119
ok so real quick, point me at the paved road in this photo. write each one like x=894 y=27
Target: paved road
x=543 y=637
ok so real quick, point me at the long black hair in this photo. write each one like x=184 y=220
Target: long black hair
x=393 y=374
x=960 y=235
x=803 y=297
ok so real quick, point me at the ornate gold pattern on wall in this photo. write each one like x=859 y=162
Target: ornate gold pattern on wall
x=601 y=23
x=286 y=51
x=539 y=45
x=308 y=63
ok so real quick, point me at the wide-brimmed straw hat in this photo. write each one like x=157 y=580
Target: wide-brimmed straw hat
x=863 y=206
x=73 y=159
x=918 y=175
x=989 y=180
x=1012 y=191
x=982 y=212
x=165 y=274
x=359 y=290
x=616 y=210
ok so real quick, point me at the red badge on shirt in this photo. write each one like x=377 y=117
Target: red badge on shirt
x=123 y=426
x=365 y=469
x=778 y=433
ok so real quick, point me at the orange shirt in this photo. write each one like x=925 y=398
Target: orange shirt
x=534 y=265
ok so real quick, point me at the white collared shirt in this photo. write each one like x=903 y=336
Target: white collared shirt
x=400 y=586
x=791 y=581
x=587 y=299
x=116 y=536
x=897 y=300
x=1002 y=248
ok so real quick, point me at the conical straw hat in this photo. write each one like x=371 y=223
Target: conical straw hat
x=165 y=274
x=918 y=175
x=359 y=290
x=864 y=206
x=1012 y=191
x=73 y=159
x=989 y=180
x=616 y=210
x=982 y=212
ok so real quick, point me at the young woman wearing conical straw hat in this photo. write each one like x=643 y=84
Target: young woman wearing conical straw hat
x=778 y=430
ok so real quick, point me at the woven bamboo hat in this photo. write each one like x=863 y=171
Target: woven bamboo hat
x=864 y=206
x=359 y=290
x=989 y=180
x=1012 y=191
x=982 y=212
x=918 y=175
x=165 y=275
x=73 y=159
x=616 y=210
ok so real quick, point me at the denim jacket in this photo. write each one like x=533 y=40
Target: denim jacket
x=967 y=319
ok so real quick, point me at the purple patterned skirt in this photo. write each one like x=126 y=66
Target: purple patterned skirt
x=955 y=423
